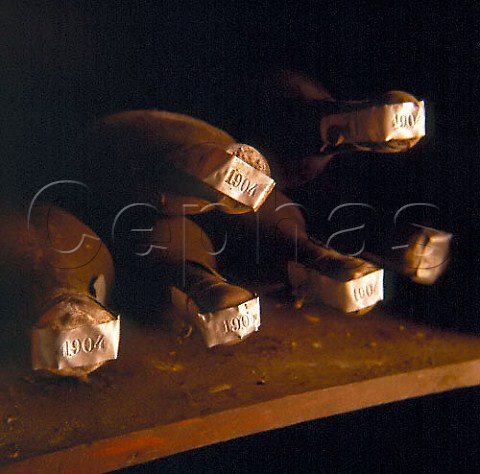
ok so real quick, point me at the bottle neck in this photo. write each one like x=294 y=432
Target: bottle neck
x=66 y=310
x=234 y=178
x=369 y=125
x=74 y=336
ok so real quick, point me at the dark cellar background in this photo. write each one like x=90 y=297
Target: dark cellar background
x=65 y=63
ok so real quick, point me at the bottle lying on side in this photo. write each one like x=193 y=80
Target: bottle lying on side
x=301 y=126
x=62 y=275
x=281 y=249
x=180 y=164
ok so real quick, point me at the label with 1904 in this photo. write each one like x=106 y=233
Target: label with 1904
x=240 y=322
x=76 y=347
x=242 y=183
x=230 y=325
x=71 y=347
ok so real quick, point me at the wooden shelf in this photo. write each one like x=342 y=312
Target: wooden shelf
x=166 y=394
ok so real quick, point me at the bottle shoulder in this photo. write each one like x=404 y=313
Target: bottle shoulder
x=158 y=129
x=52 y=248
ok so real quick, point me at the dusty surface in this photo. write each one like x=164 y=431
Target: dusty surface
x=162 y=379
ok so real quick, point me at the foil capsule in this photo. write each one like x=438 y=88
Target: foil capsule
x=83 y=346
x=243 y=179
x=424 y=257
x=311 y=287
x=427 y=256
x=376 y=124
x=223 y=327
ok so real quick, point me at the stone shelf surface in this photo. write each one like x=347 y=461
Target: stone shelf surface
x=167 y=393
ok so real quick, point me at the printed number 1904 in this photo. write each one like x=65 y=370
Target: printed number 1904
x=73 y=347
x=237 y=180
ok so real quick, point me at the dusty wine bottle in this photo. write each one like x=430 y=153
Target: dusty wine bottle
x=178 y=163
x=182 y=260
x=350 y=284
x=303 y=126
x=391 y=122
x=315 y=272
x=63 y=274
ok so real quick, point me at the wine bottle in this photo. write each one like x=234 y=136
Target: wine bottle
x=301 y=126
x=274 y=245
x=178 y=163
x=60 y=275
